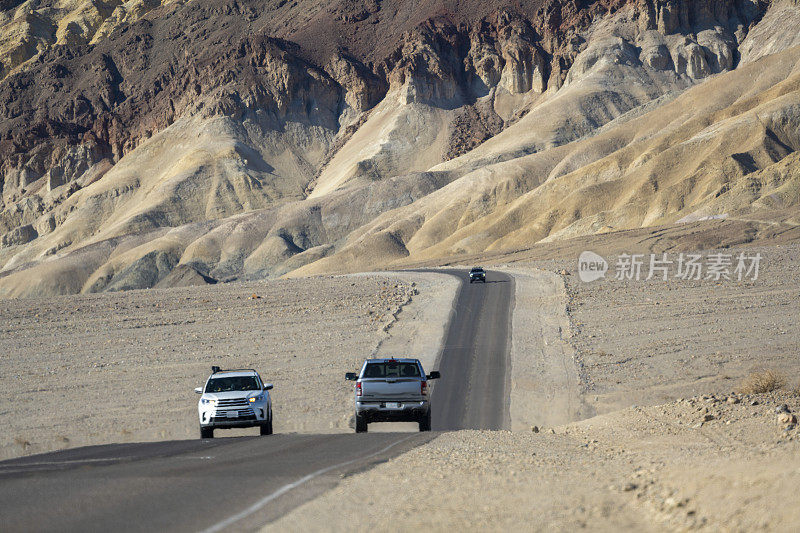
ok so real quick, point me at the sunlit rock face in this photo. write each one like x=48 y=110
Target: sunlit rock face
x=248 y=139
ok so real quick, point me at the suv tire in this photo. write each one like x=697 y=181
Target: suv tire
x=266 y=429
x=425 y=422
x=206 y=433
x=361 y=424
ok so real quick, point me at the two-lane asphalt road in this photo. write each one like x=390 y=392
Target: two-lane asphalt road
x=473 y=391
x=242 y=483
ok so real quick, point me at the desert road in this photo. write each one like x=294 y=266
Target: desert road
x=244 y=482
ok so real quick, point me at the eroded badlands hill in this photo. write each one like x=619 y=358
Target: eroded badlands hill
x=158 y=142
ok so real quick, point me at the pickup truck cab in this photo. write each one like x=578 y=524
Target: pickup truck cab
x=392 y=390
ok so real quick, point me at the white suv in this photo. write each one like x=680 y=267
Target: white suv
x=234 y=399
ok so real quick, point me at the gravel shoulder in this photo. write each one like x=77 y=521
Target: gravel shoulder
x=545 y=381
x=421 y=324
x=121 y=367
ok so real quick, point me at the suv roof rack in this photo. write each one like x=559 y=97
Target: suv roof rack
x=215 y=369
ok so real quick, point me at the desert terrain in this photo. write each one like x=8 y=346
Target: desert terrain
x=630 y=411
x=629 y=403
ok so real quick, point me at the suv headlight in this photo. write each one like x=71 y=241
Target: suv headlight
x=210 y=401
x=259 y=398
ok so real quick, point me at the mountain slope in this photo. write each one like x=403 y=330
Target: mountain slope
x=233 y=140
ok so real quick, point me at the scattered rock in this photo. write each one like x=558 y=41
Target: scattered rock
x=672 y=503
x=535 y=429
x=732 y=400
x=754 y=402
x=708 y=417
x=630 y=486
x=782 y=409
x=787 y=418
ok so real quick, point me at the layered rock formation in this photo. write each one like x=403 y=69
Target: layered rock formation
x=242 y=139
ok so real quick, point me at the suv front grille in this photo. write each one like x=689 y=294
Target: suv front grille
x=236 y=402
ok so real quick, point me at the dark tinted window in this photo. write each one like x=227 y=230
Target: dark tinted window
x=232 y=384
x=391 y=370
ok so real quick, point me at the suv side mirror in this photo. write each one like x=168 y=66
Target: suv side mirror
x=351 y=376
x=434 y=375
x=268 y=386
x=199 y=390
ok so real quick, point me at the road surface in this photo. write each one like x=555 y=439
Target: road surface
x=474 y=390
x=242 y=483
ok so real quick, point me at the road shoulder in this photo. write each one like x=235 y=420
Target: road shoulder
x=545 y=377
x=421 y=325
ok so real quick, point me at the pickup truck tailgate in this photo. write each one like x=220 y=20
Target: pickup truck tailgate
x=390 y=389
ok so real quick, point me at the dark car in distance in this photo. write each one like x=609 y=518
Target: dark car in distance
x=477 y=274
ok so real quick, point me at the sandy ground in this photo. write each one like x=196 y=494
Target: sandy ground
x=673 y=446
x=649 y=342
x=122 y=367
x=545 y=383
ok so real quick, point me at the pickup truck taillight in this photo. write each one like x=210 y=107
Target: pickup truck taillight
x=358 y=388
x=423 y=387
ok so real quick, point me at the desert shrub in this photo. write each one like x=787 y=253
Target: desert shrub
x=762 y=381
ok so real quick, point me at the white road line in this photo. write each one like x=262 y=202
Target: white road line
x=37 y=467
x=16 y=468
x=72 y=462
x=286 y=488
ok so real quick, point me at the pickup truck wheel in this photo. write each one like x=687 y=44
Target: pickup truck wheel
x=361 y=424
x=206 y=433
x=425 y=422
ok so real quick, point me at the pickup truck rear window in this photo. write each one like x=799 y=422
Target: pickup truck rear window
x=391 y=370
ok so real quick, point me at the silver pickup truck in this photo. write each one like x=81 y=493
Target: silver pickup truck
x=392 y=390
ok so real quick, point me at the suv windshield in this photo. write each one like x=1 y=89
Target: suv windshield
x=391 y=370
x=233 y=384
x=477 y=270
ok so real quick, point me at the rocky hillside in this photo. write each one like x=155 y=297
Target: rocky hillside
x=169 y=142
